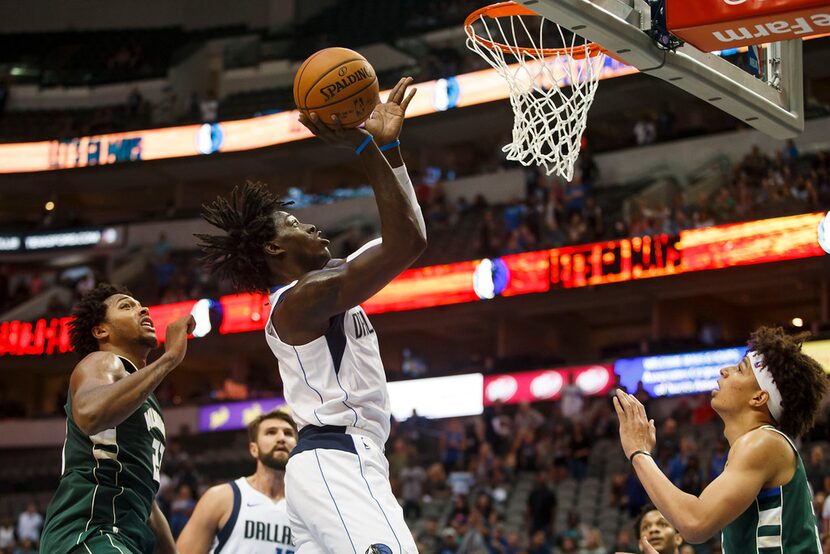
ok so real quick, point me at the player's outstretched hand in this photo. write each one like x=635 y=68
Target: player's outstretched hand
x=637 y=432
x=175 y=342
x=386 y=120
x=337 y=136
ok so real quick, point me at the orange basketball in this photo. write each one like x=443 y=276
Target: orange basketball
x=337 y=81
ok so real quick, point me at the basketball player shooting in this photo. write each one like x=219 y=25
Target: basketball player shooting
x=337 y=479
x=248 y=514
x=762 y=501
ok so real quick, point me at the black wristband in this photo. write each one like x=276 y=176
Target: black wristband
x=633 y=454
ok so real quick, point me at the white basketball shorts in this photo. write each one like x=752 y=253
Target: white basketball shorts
x=339 y=497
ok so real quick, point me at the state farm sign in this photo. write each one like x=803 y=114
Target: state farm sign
x=719 y=24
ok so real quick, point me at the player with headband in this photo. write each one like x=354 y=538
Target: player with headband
x=762 y=501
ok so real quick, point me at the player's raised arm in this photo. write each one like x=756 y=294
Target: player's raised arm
x=100 y=401
x=324 y=293
x=752 y=464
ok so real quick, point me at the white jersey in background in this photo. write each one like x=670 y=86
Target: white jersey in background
x=257 y=524
x=336 y=379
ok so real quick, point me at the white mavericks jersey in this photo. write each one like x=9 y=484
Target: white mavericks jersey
x=336 y=379
x=257 y=525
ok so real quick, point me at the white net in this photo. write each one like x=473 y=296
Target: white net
x=551 y=90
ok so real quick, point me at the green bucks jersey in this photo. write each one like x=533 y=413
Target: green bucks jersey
x=108 y=482
x=780 y=521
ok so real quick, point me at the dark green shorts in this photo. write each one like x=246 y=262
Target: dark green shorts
x=105 y=543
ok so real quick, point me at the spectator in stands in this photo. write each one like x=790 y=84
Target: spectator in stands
x=593 y=543
x=623 y=541
x=717 y=461
x=527 y=418
x=541 y=505
x=134 y=104
x=488 y=243
x=580 y=450
x=181 y=509
x=574 y=529
x=819 y=498
x=790 y=153
x=572 y=401
x=29 y=524
x=452 y=445
x=816 y=467
x=679 y=463
x=539 y=544
x=6 y=533
x=498 y=426
x=209 y=107
x=450 y=541
x=472 y=534
x=412 y=478
x=635 y=494
x=26 y=546
x=645 y=131
x=429 y=540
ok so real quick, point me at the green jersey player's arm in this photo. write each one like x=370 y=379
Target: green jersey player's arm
x=756 y=460
x=104 y=395
x=209 y=517
x=165 y=544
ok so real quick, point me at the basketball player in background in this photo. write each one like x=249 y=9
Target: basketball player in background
x=762 y=500
x=657 y=535
x=337 y=480
x=115 y=435
x=249 y=514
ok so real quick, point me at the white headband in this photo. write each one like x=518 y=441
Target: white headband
x=764 y=378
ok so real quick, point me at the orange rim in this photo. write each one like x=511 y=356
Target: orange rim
x=507 y=9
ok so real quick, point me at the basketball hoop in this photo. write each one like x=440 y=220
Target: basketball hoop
x=551 y=89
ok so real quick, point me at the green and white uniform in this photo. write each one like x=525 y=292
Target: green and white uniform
x=107 y=486
x=780 y=521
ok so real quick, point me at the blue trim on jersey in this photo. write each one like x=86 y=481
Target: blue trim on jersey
x=360 y=465
x=226 y=531
x=336 y=341
x=334 y=501
x=769 y=493
x=302 y=368
x=328 y=437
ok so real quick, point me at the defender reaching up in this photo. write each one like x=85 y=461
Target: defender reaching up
x=762 y=501
x=337 y=480
x=115 y=435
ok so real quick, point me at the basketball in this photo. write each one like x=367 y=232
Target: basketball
x=337 y=81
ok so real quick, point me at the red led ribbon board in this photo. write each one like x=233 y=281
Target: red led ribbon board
x=720 y=24
x=613 y=261
x=754 y=242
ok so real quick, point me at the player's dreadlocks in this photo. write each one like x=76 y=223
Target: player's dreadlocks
x=89 y=312
x=799 y=377
x=247 y=218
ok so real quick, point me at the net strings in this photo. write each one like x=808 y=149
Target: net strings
x=550 y=97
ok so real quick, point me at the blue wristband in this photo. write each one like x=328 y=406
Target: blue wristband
x=390 y=146
x=363 y=145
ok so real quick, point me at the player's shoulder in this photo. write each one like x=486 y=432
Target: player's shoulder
x=98 y=364
x=216 y=502
x=761 y=447
x=220 y=494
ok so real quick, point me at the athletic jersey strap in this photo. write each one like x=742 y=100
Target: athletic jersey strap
x=225 y=533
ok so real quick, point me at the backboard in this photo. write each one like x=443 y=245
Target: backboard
x=773 y=105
